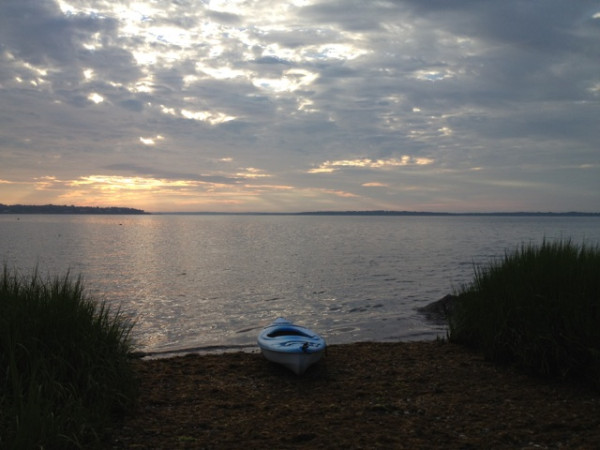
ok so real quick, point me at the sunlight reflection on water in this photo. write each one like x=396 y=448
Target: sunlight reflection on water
x=203 y=281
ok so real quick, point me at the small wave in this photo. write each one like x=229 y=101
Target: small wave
x=202 y=350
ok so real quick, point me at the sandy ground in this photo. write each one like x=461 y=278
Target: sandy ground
x=367 y=395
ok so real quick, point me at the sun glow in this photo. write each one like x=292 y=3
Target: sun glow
x=116 y=183
x=96 y=98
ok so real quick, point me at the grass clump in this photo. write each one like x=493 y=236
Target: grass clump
x=539 y=307
x=64 y=364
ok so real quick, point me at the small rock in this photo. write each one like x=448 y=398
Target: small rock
x=440 y=310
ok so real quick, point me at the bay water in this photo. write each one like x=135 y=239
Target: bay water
x=211 y=282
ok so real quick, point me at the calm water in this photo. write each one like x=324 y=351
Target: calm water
x=202 y=281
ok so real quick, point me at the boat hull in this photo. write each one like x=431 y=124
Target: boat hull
x=292 y=346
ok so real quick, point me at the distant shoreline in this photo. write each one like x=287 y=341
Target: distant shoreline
x=71 y=209
x=388 y=213
x=64 y=209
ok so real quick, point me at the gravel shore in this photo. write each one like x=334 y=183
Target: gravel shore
x=366 y=395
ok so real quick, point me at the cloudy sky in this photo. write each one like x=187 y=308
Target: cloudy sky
x=264 y=105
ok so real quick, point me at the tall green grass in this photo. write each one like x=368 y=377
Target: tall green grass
x=539 y=307
x=64 y=365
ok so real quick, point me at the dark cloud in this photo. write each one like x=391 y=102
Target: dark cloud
x=271 y=60
x=352 y=15
x=38 y=32
x=132 y=105
x=111 y=63
x=221 y=17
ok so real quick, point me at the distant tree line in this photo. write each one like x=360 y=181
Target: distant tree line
x=427 y=213
x=66 y=209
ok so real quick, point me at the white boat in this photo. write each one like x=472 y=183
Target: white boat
x=292 y=346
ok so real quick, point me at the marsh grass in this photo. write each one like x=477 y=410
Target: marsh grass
x=64 y=363
x=538 y=307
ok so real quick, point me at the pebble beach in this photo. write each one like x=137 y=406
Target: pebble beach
x=364 y=395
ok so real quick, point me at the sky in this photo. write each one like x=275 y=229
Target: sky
x=301 y=105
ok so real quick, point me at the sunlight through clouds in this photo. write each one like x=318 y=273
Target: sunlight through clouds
x=218 y=73
x=169 y=111
x=207 y=116
x=374 y=184
x=104 y=189
x=251 y=172
x=291 y=81
x=433 y=75
x=332 y=166
x=114 y=183
x=151 y=140
x=96 y=98
x=218 y=95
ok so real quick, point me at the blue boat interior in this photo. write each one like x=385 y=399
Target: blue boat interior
x=286 y=332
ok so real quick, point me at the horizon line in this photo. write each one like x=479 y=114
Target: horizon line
x=76 y=209
x=379 y=213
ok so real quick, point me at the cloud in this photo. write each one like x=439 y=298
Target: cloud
x=137 y=171
x=331 y=166
x=401 y=95
x=151 y=140
x=374 y=184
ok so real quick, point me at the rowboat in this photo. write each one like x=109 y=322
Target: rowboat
x=292 y=346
